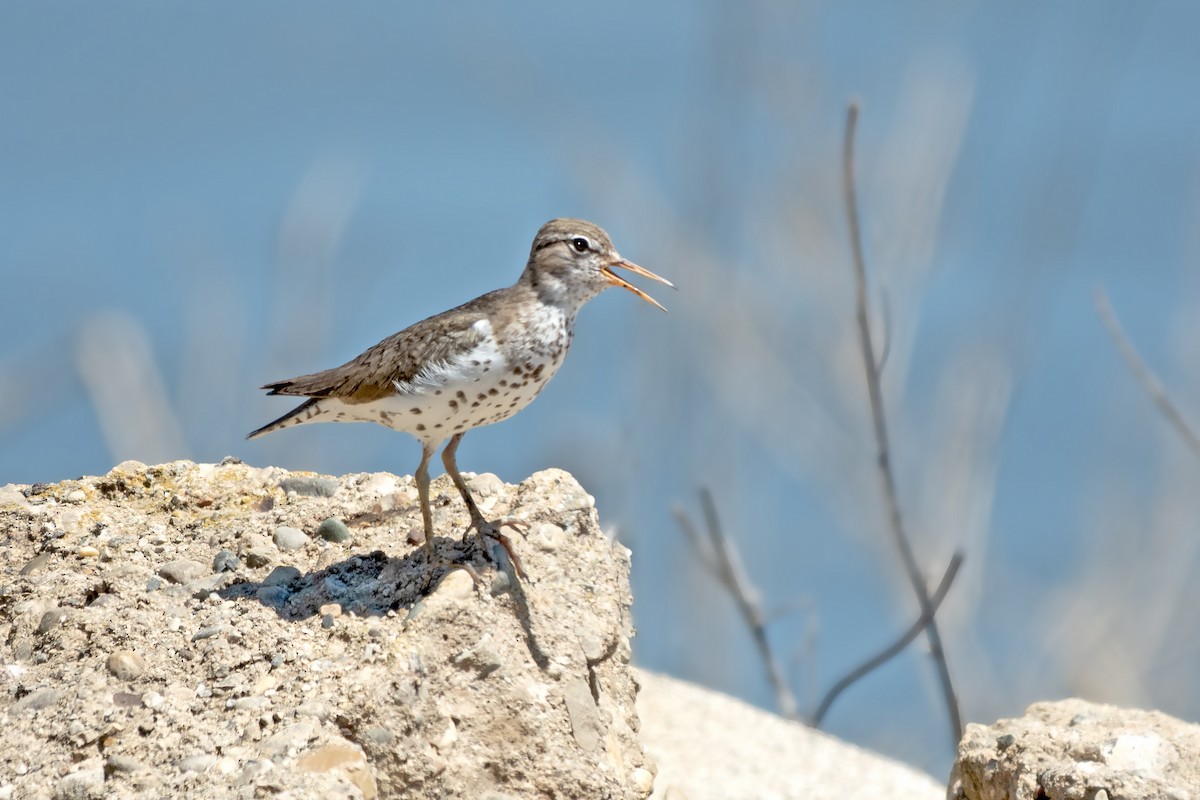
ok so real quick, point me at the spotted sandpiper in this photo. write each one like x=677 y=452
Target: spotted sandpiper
x=473 y=365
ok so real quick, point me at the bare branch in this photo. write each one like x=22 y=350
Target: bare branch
x=720 y=556
x=886 y=311
x=1144 y=375
x=879 y=422
x=886 y=654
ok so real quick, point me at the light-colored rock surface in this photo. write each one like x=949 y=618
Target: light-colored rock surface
x=709 y=746
x=1076 y=750
x=130 y=668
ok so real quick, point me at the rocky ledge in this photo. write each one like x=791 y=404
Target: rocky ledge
x=217 y=630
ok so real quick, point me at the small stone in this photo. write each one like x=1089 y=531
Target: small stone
x=258 y=556
x=254 y=770
x=548 y=537
x=87 y=551
x=153 y=700
x=642 y=780
x=207 y=633
x=85 y=783
x=327 y=621
x=456 y=585
x=313 y=708
x=287 y=538
x=334 y=530
x=35 y=701
x=206 y=588
x=379 y=735
x=126 y=665
x=272 y=596
x=309 y=485
x=76 y=496
x=330 y=609
x=120 y=763
x=153 y=585
x=36 y=564
x=293 y=737
x=50 y=620
x=182 y=570
x=281 y=576
x=197 y=763
x=225 y=561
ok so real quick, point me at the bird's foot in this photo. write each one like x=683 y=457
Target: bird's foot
x=491 y=530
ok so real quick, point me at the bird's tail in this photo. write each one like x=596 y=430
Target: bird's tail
x=300 y=414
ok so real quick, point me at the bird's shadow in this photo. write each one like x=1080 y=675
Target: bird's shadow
x=368 y=584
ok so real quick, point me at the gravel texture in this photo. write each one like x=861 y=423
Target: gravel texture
x=164 y=631
x=1076 y=750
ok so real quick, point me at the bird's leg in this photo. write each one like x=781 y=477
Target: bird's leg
x=422 y=477
x=449 y=460
x=451 y=464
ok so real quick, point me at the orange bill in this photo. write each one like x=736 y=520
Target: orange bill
x=617 y=280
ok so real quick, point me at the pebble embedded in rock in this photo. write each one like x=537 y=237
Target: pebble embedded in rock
x=334 y=530
x=182 y=570
x=281 y=576
x=225 y=561
x=35 y=564
x=288 y=538
x=197 y=763
x=258 y=556
x=120 y=763
x=50 y=620
x=35 y=701
x=126 y=665
x=76 y=496
x=310 y=485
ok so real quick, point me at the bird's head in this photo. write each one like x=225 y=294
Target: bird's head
x=573 y=261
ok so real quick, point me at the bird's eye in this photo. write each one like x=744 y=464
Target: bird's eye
x=580 y=244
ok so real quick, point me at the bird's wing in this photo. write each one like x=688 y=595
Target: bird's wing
x=397 y=359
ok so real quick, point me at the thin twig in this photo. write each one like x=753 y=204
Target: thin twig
x=720 y=557
x=887 y=330
x=1144 y=375
x=884 y=655
x=879 y=422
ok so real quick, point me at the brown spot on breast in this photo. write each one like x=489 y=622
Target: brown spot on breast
x=460 y=394
x=493 y=391
x=414 y=410
x=454 y=405
x=420 y=426
x=503 y=382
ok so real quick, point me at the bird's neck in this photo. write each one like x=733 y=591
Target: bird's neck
x=553 y=291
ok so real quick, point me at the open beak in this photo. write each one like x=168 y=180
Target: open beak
x=617 y=280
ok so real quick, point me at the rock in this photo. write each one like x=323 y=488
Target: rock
x=35 y=701
x=222 y=682
x=225 y=561
x=310 y=485
x=1071 y=748
x=126 y=665
x=282 y=576
x=707 y=745
x=50 y=620
x=287 y=538
x=258 y=557
x=182 y=570
x=333 y=530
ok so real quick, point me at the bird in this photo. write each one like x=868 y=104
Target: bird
x=474 y=365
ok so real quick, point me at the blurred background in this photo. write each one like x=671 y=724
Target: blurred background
x=197 y=199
